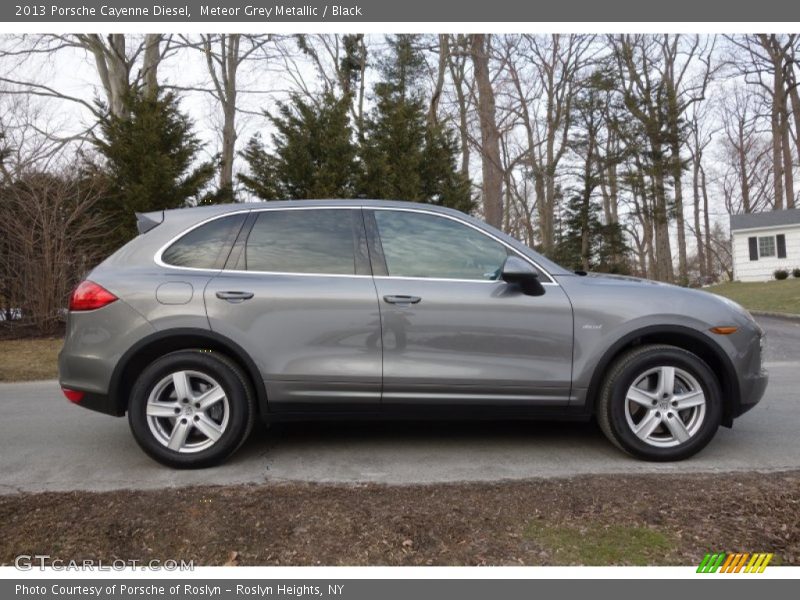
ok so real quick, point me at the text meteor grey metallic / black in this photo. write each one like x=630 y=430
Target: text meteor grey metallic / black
x=215 y=316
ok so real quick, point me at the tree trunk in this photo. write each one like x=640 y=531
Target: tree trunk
x=677 y=173
x=777 y=137
x=490 y=137
x=444 y=51
x=698 y=232
x=113 y=68
x=706 y=222
x=152 y=58
x=745 y=179
x=788 y=167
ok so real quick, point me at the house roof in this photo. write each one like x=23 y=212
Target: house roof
x=772 y=218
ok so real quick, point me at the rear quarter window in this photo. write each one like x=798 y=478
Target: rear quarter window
x=206 y=246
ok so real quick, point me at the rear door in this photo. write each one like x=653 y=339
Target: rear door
x=453 y=333
x=298 y=296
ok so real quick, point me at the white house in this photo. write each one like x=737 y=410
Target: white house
x=764 y=242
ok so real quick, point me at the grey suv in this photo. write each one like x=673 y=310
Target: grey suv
x=216 y=316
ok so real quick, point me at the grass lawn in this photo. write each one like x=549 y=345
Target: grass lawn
x=770 y=296
x=29 y=359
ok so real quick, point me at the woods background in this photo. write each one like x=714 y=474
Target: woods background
x=617 y=153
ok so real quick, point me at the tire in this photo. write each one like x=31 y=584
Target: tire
x=672 y=424
x=191 y=409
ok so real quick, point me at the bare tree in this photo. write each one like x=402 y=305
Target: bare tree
x=770 y=60
x=492 y=186
x=745 y=150
x=123 y=63
x=224 y=54
x=50 y=231
x=340 y=62
x=556 y=61
x=687 y=71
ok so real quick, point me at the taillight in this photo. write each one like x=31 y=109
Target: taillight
x=90 y=296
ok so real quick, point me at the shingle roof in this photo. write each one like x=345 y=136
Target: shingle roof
x=769 y=218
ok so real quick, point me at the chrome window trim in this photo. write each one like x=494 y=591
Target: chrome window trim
x=159 y=261
x=470 y=225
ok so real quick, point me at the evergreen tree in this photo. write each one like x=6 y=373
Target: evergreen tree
x=313 y=157
x=151 y=162
x=403 y=156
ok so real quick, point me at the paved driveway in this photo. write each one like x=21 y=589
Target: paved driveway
x=47 y=444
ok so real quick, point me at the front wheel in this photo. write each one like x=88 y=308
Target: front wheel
x=191 y=409
x=660 y=403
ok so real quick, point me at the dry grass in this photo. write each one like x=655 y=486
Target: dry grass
x=29 y=359
x=591 y=520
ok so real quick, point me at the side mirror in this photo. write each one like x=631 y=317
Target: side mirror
x=517 y=271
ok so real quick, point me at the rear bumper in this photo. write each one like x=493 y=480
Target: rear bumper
x=94 y=343
x=100 y=403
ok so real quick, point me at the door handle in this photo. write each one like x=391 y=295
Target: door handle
x=232 y=296
x=402 y=300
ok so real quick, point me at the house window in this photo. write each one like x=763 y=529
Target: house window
x=766 y=246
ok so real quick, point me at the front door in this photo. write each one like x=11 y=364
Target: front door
x=453 y=333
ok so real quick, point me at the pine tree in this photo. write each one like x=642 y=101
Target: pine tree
x=404 y=157
x=151 y=162
x=313 y=157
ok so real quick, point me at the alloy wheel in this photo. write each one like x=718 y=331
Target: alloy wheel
x=187 y=411
x=665 y=406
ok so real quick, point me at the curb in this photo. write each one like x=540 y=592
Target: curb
x=777 y=315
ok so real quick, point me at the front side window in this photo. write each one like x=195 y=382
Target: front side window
x=302 y=241
x=207 y=246
x=766 y=246
x=426 y=245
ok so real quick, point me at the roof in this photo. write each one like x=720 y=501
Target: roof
x=772 y=218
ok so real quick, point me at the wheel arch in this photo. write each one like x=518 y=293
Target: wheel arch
x=148 y=349
x=681 y=337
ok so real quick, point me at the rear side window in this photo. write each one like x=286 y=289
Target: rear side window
x=207 y=246
x=302 y=241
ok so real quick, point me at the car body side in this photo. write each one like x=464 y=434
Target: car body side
x=105 y=352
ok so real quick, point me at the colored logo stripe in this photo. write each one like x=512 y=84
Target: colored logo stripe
x=735 y=562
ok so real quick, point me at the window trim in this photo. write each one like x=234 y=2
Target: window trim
x=159 y=261
x=774 y=246
x=223 y=257
x=157 y=258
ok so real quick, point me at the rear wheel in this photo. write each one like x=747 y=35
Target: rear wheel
x=191 y=409
x=660 y=403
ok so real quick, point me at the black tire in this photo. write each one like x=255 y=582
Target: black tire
x=624 y=372
x=240 y=407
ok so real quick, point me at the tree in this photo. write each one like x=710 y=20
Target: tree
x=125 y=64
x=642 y=86
x=341 y=63
x=403 y=154
x=590 y=243
x=150 y=161
x=49 y=236
x=224 y=55
x=771 y=67
x=492 y=185
x=313 y=156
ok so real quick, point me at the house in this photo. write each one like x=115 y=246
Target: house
x=764 y=242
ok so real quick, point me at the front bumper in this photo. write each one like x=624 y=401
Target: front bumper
x=753 y=389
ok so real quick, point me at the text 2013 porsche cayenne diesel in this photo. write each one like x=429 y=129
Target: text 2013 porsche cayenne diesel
x=216 y=316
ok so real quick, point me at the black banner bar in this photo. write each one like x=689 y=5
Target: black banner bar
x=441 y=11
